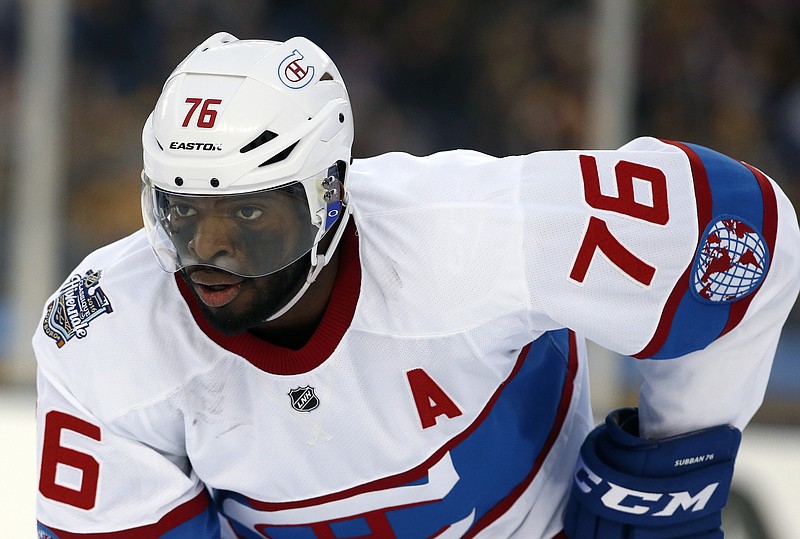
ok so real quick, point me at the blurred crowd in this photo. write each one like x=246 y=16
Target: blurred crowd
x=503 y=77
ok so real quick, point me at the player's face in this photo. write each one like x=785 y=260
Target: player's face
x=228 y=240
x=251 y=235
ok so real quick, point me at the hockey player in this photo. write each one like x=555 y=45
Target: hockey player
x=301 y=345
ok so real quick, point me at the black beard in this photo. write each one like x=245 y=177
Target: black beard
x=273 y=292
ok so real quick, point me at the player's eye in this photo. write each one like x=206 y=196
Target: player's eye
x=248 y=213
x=182 y=210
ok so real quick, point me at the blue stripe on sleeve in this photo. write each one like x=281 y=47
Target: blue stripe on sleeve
x=735 y=193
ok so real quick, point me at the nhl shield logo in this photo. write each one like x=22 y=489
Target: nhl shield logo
x=304 y=399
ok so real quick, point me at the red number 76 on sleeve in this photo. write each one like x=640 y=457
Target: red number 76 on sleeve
x=599 y=237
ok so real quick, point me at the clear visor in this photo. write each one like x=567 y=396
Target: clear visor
x=249 y=234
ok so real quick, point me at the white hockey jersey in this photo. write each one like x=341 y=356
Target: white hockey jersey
x=444 y=393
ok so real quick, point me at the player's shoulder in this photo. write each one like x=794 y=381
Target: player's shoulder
x=396 y=181
x=649 y=144
x=111 y=331
x=467 y=166
x=403 y=159
x=398 y=166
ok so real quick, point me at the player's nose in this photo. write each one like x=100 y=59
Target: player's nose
x=213 y=238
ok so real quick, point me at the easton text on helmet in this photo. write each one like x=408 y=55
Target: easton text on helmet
x=204 y=146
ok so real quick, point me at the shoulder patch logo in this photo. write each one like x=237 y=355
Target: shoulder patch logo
x=80 y=301
x=731 y=262
x=304 y=399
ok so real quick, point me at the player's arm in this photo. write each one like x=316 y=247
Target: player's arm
x=718 y=338
x=665 y=470
x=687 y=260
x=93 y=479
x=671 y=253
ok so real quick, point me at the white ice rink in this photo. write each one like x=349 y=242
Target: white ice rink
x=17 y=464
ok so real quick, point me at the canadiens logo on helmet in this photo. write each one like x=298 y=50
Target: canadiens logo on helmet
x=731 y=262
x=304 y=399
x=293 y=72
x=79 y=302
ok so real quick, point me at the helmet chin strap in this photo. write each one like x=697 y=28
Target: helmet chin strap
x=318 y=261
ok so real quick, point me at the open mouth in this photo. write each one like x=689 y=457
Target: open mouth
x=215 y=288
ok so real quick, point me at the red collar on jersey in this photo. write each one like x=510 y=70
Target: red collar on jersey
x=334 y=323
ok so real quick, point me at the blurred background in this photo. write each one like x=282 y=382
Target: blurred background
x=78 y=79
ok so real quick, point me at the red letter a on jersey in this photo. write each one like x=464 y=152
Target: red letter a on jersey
x=430 y=399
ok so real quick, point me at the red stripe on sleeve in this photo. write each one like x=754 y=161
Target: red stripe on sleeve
x=703 y=200
x=769 y=230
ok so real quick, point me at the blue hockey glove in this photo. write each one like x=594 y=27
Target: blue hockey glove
x=626 y=487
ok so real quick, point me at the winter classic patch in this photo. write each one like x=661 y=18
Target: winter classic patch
x=79 y=301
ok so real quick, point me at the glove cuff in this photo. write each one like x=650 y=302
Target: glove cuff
x=618 y=445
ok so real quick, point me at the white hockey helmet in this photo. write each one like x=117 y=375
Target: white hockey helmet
x=257 y=130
